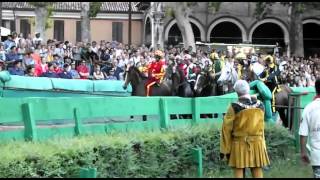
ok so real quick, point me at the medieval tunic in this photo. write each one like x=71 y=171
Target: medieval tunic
x=243 y=134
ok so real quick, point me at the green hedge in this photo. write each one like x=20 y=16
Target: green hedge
x=153 y=154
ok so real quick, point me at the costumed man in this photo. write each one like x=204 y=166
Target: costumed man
x=194 y=70
x=269 y=77
x=242 y=140
x=155 y=71
x=217 y=66
x=143 y=67
x=240 y=57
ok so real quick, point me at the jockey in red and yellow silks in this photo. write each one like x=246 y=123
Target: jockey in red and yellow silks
x=155 y=71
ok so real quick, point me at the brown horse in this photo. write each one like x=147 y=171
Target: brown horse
x=281 y=97
x=174 y=85
x=205 y=85
x=181 y=87
x=138 y=82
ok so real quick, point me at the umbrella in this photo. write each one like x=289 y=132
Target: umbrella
x=5 y=31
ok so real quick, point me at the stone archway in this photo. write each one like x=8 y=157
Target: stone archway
x=274 y=21
x=311 y=36
x=230 y=20
x=192 y=20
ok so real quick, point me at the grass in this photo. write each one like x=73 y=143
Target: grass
x=292 y=167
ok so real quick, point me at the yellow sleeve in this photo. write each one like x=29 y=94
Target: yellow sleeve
x=226 y=132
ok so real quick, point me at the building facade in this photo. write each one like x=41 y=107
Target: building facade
x=111 y=23
x=234 y=22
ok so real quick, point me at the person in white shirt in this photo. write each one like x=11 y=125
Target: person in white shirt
x=310 y=132
x=37 y=39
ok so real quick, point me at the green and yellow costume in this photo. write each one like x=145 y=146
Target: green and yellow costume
x=269 y=77
x=242 y=137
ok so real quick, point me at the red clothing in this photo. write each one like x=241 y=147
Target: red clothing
x=36 y=57
x=156 y=68
x=184 y=68
x=58 y=70
x=40 y=69
x=83 y=69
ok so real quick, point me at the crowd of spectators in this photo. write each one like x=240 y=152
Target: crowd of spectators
x=107 y=60
x=300 y=72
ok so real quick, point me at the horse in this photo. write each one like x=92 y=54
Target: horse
x=228 y=77
x=138 y=82
x=205 y=85
x=281 y=98
x=181 y=87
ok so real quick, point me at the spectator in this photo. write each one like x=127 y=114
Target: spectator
x=2 y=53
x=111 y=75
x=42 y=67
x=76 y=53
x=66 y=72
x=17 y=69
x=21 y=48
x=98 y=74
x=37 y=40
x=9 y=43
x=28 y=60
x=12 y=56
x=59 y=52
x=310 y=128
x=83 y=70
x=50 y=73
x=30 y=72
x=74 y=73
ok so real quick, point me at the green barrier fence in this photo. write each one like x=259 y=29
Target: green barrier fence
x=30 y=116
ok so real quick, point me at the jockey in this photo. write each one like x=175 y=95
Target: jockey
x=143 y=68
x=214 y=55
x=190 y=72
x=193 y=70
x=255 y=65
x=269 y=77
x=155 y=71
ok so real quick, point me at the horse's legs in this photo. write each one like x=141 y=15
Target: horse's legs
x=283 y=116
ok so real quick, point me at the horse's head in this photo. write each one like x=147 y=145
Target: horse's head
x=228 y=75
x=203 y=80
x=132 y=75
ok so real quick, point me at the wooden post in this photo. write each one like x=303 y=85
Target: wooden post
x=197 y=158
x=88 y=173
x=164 y=116
x=196 y=112
x=78 y=123
x=296 y=122
x=30 y=127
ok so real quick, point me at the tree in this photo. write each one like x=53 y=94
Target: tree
x=43 y=11
x=181 y=12
x=0 y=19
x=295 y=10
x=88 y=10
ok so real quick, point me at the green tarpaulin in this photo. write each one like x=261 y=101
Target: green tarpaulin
x=21 y=85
